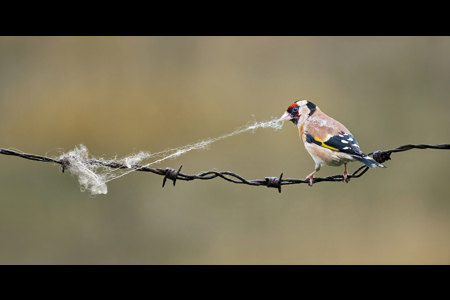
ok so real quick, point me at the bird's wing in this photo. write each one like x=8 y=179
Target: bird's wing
x=342 y=142
x=326 y=132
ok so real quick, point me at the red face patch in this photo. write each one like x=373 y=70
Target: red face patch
x=293 y=105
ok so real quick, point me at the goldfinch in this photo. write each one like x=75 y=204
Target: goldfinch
x=326 y=140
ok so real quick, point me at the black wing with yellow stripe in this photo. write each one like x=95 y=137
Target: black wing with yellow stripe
x=342 y=142
x=345 y=143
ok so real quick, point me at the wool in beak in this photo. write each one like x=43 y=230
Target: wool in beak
x=285 y=117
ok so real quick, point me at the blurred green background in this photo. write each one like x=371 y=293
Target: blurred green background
x=119 y=95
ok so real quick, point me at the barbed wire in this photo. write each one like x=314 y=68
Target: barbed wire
x=272 y=182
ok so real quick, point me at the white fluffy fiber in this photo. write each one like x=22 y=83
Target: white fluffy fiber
x=93 y=177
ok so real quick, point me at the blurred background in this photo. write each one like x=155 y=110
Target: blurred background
x=122 y=95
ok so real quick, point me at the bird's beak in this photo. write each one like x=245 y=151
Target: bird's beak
x=285 y=117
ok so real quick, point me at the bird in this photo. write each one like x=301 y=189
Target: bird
x=326 y=140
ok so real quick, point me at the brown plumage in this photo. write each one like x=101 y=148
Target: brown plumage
x=326 y=140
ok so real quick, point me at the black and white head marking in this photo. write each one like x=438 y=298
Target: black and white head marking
x=312 y=108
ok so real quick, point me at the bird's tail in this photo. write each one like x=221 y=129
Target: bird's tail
x=368 y=161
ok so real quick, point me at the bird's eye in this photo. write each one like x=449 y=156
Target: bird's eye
x=293 y=110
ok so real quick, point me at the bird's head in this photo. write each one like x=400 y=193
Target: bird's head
x=298 y=112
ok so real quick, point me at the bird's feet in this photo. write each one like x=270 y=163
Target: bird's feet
x=346 y=179
x=311 y=179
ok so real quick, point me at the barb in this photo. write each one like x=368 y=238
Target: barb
x=273 y=182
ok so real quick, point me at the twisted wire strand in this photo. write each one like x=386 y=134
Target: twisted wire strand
x=273 y=182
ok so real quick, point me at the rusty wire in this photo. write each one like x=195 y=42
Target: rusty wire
x=273 y=182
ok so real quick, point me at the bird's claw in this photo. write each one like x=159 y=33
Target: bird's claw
x=346 y=179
